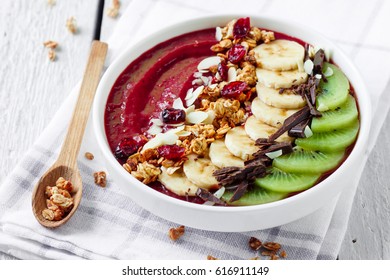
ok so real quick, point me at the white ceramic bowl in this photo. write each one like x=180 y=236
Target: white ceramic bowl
x=245 y=218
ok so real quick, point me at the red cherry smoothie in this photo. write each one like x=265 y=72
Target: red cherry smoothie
x=152 y=82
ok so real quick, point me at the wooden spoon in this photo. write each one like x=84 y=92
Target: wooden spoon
x=66 y=164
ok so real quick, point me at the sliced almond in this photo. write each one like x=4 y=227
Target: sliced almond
x=232 y=74
x=178 y=104
x=274 y=154
x=156 y=122
x=218 y=33
x=196 y=117
x=189 y=93
x=160 y=139
x=197 y=82
x=154 y=129
x=308 y=66
x=328 y=72
x=210 y=117
x=308 y=132
x=205 y=80
x=177 y=129
x=206 y=63
x=183 y=133
x=194 y=96
x=197 y=75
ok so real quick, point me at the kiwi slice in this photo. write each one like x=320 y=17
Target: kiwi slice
x=329 y=141
x=302 y=161
x=335 y=91
x=279 y=181
x=341 y=117
x=254 y=196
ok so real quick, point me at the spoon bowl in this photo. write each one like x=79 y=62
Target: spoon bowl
x=66 y=164
x=71 y=174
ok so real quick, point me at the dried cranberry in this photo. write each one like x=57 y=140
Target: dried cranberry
x=236 y=53
x=233 y=89
x=173 y=116
x=129 y=146
x=241 y=28
x=223 y=71
x=172 y=152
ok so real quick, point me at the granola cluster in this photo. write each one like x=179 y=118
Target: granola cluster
x=218 y=101
x=59 y=201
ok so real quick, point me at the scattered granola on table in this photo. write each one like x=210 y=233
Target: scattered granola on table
x=113 y=11
x=59 y=200
x=51 y=2
x=175 y=233
x=71 y=25
x=270 y=249
x=89 y=156
x=51 y=45
x=100 y=178
x=52 y=55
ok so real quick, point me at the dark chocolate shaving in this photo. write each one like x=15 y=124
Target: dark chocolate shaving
x=263 y=142
x=239 y=178
x=307 y=55
x=208 y=196
x=313 y=111
x=318 y=62
x=298 y=131
x=240 y=191
x=229 y=175
x=291 y=121
x=285 y=147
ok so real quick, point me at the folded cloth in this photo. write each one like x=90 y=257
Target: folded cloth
x=109 y=225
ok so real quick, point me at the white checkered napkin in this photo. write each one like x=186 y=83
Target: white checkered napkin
x=109 y=225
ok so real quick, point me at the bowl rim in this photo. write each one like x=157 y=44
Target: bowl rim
x=359 y=148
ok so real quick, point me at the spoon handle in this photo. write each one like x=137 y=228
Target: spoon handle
x=71 y=146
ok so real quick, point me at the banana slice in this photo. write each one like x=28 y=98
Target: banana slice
x=200 y=172
x=277 y=79
x=272 y=97
x=177 y=183
x=239 y=143
x=221 y=157
x=279 y=55
x=270 y=115
x=257 y=129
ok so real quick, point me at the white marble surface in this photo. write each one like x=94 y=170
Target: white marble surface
x=32 y=87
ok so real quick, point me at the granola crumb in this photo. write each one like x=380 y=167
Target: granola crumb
x=89 y=156
x=254 y=243
x=48 y=214
x=176 y=233
x=268 y=249
x=211 y=258
x=100 y=178
x=51 y=2
x=113 y=11
x=50 y=44
x=272 y=246
x=52 y=55
x=71 y=25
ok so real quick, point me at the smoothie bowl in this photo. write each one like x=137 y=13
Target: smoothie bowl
x=232 y=123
